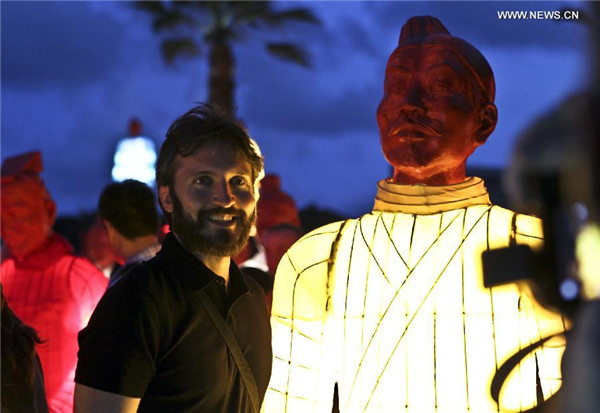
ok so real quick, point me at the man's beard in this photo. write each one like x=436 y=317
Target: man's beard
x=222 y=242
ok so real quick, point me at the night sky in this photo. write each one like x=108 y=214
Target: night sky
x=74 y=73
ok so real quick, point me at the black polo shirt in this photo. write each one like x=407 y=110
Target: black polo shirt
x=151 y=338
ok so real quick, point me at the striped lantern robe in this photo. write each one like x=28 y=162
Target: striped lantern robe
x=391 y=307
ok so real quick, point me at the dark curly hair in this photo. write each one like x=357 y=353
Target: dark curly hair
x=18 y=353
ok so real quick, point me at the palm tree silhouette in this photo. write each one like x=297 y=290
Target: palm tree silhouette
x=186 y=25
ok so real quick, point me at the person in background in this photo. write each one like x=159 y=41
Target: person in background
x=128 y=211
x=22 y=376
x=96 y=247
x=46 y=286
x=276 y=241
x=275 y=207
x=186 y=330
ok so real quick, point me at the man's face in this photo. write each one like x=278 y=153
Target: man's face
x=26 y=217
x=212 y=202
x=98 y=248
x=428 y=117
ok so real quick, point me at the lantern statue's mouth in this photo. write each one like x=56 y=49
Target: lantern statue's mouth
x=408 y=129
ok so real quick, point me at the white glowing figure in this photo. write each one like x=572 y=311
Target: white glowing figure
x=391 y=306
x=135 y=159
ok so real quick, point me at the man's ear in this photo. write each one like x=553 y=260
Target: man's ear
x=488 y=117
x=164 y=197
x=111 y=231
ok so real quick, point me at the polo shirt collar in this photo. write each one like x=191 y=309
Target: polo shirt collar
x=194 y=272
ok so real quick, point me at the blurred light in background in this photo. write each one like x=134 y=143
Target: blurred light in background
x=135 y=157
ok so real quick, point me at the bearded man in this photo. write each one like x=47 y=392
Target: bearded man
x=391 y=306
x=186 y=330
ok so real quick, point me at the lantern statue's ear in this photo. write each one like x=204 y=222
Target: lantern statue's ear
x=488 y=118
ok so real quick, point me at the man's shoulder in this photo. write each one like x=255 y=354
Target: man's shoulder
x=257 y=280
x=157 y=276
x=147 y=274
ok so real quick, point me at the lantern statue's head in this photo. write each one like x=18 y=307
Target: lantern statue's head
x=28 y=211
x=437 y=105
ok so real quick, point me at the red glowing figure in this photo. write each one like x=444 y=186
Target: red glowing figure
x=47 y=286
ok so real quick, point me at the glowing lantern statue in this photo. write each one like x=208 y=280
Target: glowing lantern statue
x=391 y=306
x=45 y=284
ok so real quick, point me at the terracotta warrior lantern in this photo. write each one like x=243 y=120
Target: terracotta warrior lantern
x=45 y=284
x=28 y=211
x=391 y=306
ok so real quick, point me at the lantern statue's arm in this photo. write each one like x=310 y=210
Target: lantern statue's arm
x=305 y=351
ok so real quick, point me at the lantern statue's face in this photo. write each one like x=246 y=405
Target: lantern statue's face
x=432 y=115
x=27 y=217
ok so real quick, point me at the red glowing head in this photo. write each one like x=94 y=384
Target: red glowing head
x=28 y=211
x=275 y=207
x=437 y=105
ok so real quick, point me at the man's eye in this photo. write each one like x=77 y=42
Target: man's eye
x=238 y=181
x=202 y=180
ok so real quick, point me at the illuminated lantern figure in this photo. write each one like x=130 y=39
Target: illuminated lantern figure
x=391 y=306
x=275 y=207
x=45 y=285
x=135 y=157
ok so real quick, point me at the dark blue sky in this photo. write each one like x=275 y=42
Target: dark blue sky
x=74 y=73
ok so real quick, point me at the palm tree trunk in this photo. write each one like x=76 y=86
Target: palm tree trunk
x=221 y=84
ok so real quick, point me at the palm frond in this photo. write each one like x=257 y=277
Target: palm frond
x=172 y=19
x=155 y=8
x=289 y=52
x=300 y=15
x=178 y=47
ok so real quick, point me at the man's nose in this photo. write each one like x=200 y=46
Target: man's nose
x=222 y=195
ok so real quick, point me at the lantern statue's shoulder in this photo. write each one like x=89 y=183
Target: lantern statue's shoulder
x=520 y=228
x=302 y=283
x=529 y=230
x=304 y=342
x=315 y=246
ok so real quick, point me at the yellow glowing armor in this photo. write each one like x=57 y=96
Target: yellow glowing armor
x=587 y=247
x=392 y=307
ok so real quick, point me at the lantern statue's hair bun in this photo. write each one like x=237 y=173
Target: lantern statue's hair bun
x=420 y=27
x=27 y=164
x=428 y=30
